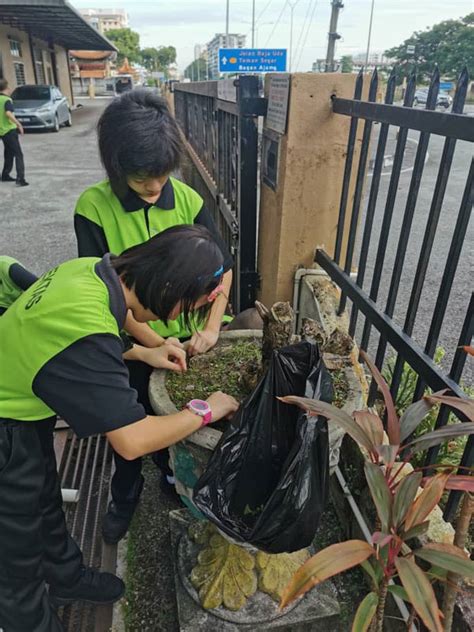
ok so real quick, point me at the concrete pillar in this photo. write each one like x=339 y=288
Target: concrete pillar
x=302 y=212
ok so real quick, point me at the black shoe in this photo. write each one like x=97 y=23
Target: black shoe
x=22 y=183
x=8 y=179
x=92 y=587
x=168 y=489
x=119 y=515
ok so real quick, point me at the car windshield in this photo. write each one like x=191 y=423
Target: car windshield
x=31 y=93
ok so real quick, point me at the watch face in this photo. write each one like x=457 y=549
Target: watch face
x=199 y=404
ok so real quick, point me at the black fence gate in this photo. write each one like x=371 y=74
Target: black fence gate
x=219 y=120
x=453 y=126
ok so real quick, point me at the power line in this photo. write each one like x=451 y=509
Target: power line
x=307 y=33
x=263 y=11
x=276 y=23
x=300 y=39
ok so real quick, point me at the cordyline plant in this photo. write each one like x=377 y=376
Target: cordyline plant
x=402 y=513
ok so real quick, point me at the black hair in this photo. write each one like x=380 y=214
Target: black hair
x=177 y=265
x=138 y=136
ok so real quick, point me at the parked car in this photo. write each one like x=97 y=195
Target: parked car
x=421 y=96
x=41 y=107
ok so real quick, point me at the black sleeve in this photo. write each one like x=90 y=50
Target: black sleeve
x=9 y=106
x=91 y=241
x=88 y=385
x=21 y=277
x=204 y=218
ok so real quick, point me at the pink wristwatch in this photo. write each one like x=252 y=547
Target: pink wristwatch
x=201 y=408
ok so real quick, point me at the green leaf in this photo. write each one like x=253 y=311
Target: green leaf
x=327 y=563
x=399 y=592
x=372 y=572
x=426 y=501
x=446 y=557
x=415 y=532
x=371 y=424
x=420 y=593
x=393 y=425
x=413 y=416
x=365 y=613
x=404 y=496
x=338 y=416
x=447 y=433
x=380 y=494
x=388 y=453
x=465 y=406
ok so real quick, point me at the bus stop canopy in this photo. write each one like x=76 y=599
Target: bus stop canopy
x=54 y=21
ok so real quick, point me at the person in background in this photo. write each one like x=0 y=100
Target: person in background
x=62 y=353
x=10 y=129
x=140 y=147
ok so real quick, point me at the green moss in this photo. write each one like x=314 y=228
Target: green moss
x=222 y=369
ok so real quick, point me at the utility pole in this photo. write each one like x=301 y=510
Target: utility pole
x=370 y=36
x=337 y=5
x=227 y=24
x=253 y=23
x=292 y=4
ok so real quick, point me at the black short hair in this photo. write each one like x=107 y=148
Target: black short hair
x=3 y=84
x=181 y=263
x=138 y=136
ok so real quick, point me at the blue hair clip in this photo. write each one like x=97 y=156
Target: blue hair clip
x=218 y=272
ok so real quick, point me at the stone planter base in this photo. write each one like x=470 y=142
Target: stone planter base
x=318 y=610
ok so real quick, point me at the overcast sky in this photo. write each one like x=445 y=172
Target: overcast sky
x=184 y=23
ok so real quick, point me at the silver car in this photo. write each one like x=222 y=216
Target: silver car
x=41 y=107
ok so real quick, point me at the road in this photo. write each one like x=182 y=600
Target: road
x=462 y=286
x=37 y=221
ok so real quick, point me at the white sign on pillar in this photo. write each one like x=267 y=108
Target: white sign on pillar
x=278 y=98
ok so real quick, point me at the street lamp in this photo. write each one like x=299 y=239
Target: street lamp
x=370 y=35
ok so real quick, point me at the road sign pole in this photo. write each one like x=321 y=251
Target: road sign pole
x=337 y=5
x=227 y=24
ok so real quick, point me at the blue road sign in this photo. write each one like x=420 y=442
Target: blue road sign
x=446 y=85
x=252 y=59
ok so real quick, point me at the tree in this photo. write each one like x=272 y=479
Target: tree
x=449 y=44
x=346 y=63
x=158 y=59
x=128 y=44
x=197 y=70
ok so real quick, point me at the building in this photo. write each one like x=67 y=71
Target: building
x=220 y=41
x=104 y=20
x=35 y=37
x=376 y=60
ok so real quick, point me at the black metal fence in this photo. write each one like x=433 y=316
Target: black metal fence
x=219 y=120
x=453 y=126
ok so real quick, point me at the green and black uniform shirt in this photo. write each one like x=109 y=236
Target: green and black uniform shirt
x=104 y=223
x=14 y=279
x=6 y=105
x=61 y=351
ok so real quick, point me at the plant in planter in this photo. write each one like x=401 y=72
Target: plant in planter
x=402 y=512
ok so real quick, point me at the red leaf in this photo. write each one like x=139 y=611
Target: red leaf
x=393 y=425
x=455 y=482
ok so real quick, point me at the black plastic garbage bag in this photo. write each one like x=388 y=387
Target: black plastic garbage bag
x=266 y=483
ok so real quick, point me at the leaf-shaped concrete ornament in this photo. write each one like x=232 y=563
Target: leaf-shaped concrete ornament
x=224 y=575
x=275 y=571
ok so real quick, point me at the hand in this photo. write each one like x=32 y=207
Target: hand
x=165 y=357
x=21 y=131
x=202 y=341
x=222 y=405
x=174 y=342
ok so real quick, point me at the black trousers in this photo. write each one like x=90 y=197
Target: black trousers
x=126 y=482
x=35 y=547
x=12 y=151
